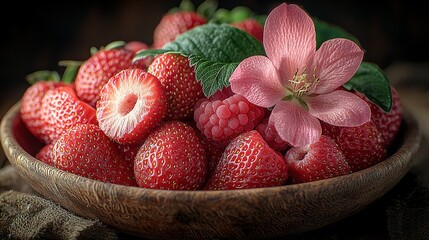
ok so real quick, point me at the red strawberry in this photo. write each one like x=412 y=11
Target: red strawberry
x=174 y=24
x=248 y=162
x=362 y=146
x=86 y=151
x=128 y=152
x=98 y=69
x=320 y=160
x=271 y=136
x=387 y=123
x=46 y=154
x=251 y=26
x=213 y=150
x=178 y=79
x=171 y=158
x=31 y=104
x=61 y=109
x=25 y=138
x=136 y=46
x=131 y=104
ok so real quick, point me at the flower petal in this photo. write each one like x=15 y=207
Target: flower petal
x=294 y=124
x=335 y=62
x=339 y=108
x=289 y=39
x=257 y=80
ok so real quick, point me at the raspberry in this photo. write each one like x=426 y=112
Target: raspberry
x=223 y=120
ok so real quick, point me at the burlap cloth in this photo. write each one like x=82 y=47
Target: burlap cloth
x=25 y=215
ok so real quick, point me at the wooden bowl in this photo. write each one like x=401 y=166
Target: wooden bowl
x=249 y=213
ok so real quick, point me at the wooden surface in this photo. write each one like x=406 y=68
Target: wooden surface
x=252 y=213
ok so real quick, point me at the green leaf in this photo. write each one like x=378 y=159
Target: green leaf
x=214 y=50
x=373 y=83
x=326 y=31
x=206 y=70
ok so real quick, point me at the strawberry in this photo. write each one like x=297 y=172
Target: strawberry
x=213 y=150
x=46 y=154
x=248 y=162
x=86 y=151
x=61 y=109
x=30 y=143
x=251 y=26
x=271 y=136
x=387 y=123
x=98 y=69
x=174 y=24
x=320 y=160
x=128 y=152
x=131 y=104
x=362 y=146
x=178 y=79
x=136 y=46
x=172 y=157
x=31 y=104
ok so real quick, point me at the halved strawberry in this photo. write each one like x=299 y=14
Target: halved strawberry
x=131 y=104
x=320 y=160
x=248 y=162
x=174 y=24
x=172 y=157
x=61 y=109
x=86 y=151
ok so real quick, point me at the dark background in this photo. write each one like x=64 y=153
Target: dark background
x=38 y=35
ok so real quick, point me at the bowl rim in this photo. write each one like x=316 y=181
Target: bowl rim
x=347 y=201
x=409 y=146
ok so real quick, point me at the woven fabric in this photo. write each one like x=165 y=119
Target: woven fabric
x=24 y=215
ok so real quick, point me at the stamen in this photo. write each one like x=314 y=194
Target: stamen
x=301 y=85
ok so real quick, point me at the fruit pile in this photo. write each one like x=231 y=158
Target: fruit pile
x=194 y=110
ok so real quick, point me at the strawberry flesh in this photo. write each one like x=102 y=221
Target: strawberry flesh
x=131 y=104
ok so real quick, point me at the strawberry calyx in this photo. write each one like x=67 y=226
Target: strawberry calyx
x=110 y=46
x=68 y=76
x=45 y=75
x=72 y=67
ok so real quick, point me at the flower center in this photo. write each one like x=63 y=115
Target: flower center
x=302 y=84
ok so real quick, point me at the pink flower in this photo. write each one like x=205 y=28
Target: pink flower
x=300 y=83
